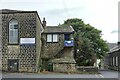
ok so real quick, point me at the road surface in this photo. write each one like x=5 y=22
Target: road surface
x=104 y=74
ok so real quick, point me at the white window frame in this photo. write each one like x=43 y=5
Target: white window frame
x=53 y=38
x=116 y=60
x=49 y=37
x=13 y=39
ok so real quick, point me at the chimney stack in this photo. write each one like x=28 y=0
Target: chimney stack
x=44 y=22
x=118 y=43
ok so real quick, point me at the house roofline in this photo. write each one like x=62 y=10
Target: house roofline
x=57 y=32
x=9 y=11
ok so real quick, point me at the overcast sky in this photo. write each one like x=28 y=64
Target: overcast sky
x=102 y=14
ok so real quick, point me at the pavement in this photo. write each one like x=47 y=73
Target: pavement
x=103 y=74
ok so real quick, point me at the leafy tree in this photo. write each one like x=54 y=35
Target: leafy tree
x=89 y=45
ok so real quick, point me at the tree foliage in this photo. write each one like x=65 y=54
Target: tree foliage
x=89 y=45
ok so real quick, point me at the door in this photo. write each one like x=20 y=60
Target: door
x=13 y=65
x=50 y=67
x=44 y=64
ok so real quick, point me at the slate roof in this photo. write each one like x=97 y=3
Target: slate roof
x=7 y=11
x=111 y=45
x=58 y=29
x=116 y=48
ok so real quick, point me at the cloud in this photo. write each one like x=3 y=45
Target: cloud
x=58 y=11
x=102 y=14
x=114 y=31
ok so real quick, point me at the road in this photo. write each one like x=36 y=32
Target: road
x=109 y=74
x=104 y=74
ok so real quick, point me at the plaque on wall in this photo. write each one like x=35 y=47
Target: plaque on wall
x=27 y=40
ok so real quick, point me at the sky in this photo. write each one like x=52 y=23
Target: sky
x=101 y=14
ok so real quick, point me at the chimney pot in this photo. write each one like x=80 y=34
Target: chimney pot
x=118 y=43
x=44 y=22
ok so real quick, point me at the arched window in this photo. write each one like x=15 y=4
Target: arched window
x=13 y=32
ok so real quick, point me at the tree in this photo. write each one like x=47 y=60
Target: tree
x=89 y=45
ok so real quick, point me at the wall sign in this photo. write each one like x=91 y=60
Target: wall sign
x=27 y=40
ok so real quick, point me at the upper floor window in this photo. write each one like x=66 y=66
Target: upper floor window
x=67 y=36
x=52 y=37
x=13 y=32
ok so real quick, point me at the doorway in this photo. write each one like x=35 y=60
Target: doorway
x=13 y=65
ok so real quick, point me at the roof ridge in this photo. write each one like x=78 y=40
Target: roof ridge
x=13 y=11
x=9 y=10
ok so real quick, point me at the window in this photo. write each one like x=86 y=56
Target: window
x=49 y=38
x=55 y=38
x=13 y=32
x=113 y=61
x=67 y=36
x=116 y=60
x=52 y=37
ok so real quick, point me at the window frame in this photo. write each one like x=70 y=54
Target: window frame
x=67 y=37
x=116 y=60
x=113 y=61
x=52 y=41
x=12 y=43
x=53 y=37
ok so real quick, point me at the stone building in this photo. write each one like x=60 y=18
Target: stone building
x=112 y=58
x=29 y=45
x=21 y=40
x=57 y=48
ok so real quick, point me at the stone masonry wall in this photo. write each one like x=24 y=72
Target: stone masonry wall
x=25 y=54
x=64 y=67
x=49 y=50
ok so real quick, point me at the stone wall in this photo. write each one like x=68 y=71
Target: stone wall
x=49 y=50
x=27 y=58
x=25 y=53
x=110 y=60
x=0 y=42
x=87 y=69
x=55 y=49
x=39 y=30
x=57 y=54
x=64 y=67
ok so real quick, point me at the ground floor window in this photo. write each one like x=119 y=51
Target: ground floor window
x=116 y=61
x=113 y=61
x=13 y=65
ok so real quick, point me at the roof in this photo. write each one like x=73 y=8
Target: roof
x=111 y=45
x=116 y=48
x=58 y=29
x=8 y=11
